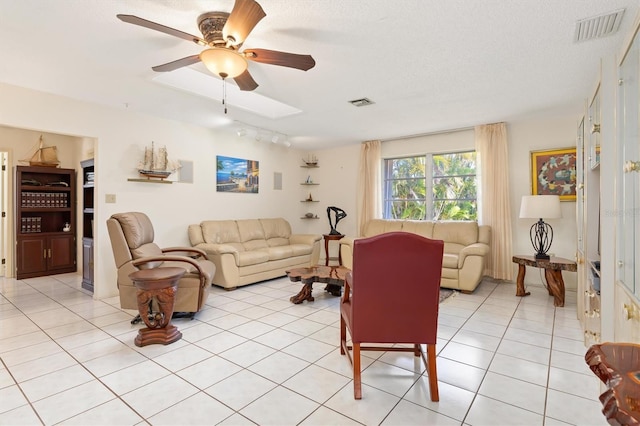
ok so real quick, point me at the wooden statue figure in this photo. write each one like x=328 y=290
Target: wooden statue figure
x=339 y=214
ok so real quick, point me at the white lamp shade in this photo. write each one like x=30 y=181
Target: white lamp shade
x=223 y=62
x=540 y=207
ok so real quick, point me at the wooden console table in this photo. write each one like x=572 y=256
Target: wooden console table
x=552 y=273
x=618 y=366
x=160 y=284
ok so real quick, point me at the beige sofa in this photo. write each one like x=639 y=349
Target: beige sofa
x=466 y=246
x=251 y=250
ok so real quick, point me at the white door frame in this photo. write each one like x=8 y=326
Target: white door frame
x=6 y=237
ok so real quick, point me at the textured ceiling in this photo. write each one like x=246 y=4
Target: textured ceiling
x=429 y=65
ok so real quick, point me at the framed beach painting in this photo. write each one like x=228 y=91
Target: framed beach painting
x=237 y=175
x=553 y=172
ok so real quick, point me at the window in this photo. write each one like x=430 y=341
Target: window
x=451 y=187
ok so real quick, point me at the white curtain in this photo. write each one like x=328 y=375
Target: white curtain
x=495 y=205
x=369 y=189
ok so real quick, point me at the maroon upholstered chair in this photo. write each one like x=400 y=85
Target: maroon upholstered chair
x=391 y=296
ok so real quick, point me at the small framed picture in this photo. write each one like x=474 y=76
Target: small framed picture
x=553 y=172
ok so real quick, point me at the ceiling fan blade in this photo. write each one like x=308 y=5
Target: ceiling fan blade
x=131 y=19
x=174 y=65
x=243 y=18
x=284 y=59
x=245 y=81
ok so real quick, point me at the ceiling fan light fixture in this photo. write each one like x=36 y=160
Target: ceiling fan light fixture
x=223 y=62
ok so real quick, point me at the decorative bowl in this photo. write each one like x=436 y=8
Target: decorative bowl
x=309 y=215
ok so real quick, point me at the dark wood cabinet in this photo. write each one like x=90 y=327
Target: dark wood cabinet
x=45 y=221
x=88 y=174
x=87 y=263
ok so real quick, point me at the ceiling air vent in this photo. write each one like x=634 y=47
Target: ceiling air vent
x=598 y=26
x=361 y=102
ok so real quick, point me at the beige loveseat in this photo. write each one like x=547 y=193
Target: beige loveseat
x=251 y=250
x=466 y=246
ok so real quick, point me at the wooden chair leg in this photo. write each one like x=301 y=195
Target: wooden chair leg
x=343 y=335
x=416 y=349
x=357 y=379
x=433 y=374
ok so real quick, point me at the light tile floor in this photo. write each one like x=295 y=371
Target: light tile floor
x=251 y=357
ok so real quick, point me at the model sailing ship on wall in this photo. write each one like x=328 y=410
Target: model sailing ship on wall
x=156 y=164
x=44 y=156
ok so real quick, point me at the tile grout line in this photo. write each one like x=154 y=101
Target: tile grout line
x=70 y=355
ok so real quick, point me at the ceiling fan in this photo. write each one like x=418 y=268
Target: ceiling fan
x=223 y=34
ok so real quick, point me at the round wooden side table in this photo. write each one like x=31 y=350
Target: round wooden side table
x=160 y=284
x=327 y=238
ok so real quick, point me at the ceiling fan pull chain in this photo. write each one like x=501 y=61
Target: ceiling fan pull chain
x=224 y=90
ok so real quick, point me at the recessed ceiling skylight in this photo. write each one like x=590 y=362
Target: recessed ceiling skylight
x=206 y=85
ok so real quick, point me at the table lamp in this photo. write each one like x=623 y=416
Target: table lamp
x=541 y=233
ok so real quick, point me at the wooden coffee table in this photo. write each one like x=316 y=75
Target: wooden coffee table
x=333 y=276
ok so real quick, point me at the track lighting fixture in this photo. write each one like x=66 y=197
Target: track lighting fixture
x=262 y=134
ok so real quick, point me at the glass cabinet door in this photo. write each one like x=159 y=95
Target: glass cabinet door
x=628 y=182
x=594 y=131
x=580 y=186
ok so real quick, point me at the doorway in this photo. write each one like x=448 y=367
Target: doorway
x=16 y=147
x=5 y=252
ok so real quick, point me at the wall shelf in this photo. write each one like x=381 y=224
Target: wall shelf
x=310 y=199
x=149 y=180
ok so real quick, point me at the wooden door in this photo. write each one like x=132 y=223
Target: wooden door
x=32 y=256
x=61 y=253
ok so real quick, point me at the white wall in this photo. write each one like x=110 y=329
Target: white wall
x=436 y=143
x=534 y=135
x=120 y=137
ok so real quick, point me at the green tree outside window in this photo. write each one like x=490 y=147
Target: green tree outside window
x=452 y=188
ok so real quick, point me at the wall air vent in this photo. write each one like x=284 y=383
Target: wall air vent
x=598 y=26
x=361 y=102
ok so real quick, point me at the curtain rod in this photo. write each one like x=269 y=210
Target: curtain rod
x=442 y=132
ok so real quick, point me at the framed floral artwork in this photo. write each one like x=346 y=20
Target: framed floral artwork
x=553 y=172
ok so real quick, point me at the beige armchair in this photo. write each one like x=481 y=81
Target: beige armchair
x=131 y=237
